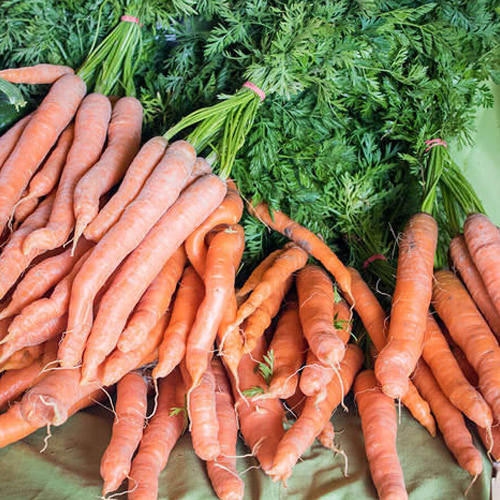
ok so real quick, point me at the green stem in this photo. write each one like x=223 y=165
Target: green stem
x=13 y=94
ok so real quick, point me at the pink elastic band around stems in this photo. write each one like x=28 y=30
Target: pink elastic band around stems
x=435 y=142
x=257 y=90
x=369 y=260
x=130 y=19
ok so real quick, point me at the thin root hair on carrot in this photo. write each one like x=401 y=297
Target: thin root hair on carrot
x=46 y=439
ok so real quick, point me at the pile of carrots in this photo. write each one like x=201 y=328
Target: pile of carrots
x=119 y=265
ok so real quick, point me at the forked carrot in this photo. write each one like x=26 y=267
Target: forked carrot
x=34 y=75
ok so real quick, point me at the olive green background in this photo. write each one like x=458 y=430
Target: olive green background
x=69 y=468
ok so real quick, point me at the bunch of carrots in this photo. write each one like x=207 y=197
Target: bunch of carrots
x=119 y=266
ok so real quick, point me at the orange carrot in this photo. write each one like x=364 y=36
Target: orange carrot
x=483 y=241
x=23 y=210
x=124 y=139
x=222 y=471
x=314 y=417
x=160 y=436
x=131 y=408
x=13 y=426
x=153 y=303
x=471 y=332
x=450 y=421
x=379 y=424
x=315 y=377
x=173 y=346
x=223 y=257
x=410 y=303
x=22 y=358
x=142 y=165
x=9 y=140
x=486 y=439
x=34 y=75
x=327 y=436
x=49 y=120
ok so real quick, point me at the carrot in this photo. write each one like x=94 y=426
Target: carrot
x=23 y=210
x=315 y=377
x=222 y=471
x=228 y=212
x=483 y=241
x=410 y=304
x=450 y=421
x=464 y=264
x=131 y=407
x=22 y=358
x=160 y=436
x=471 y=332
x=139 y=271
x=316 y=301
x=13 y=426
x=450 y=378
x=34 y=75
x=223 y=257
x=486 y=439
x=311 y=243
x=129 y=231
x=288 y=348
x=153 y=303
x=142 y=165
x=314 y=417
x=327 y=436
x=379 y=425
x=173 y=346
x=124 y=139
x=50 y=119
x=13 y=262
x=9 y=140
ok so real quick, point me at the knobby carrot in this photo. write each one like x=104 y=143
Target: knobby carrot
x=142 y=165
x=379 y=424
x=34 y=75
x=9 y=139
x=410 y=303
x=131 y=407
x=38 y=137
x=91 y=125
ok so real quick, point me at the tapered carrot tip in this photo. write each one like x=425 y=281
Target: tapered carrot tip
x=394 y=380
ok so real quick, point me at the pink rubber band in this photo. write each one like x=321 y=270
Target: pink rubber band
x=435 y=142
x=369 y=260
x=257 y=90
x=130 y=19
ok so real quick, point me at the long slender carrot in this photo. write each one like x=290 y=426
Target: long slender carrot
x=153 y=303
x=471 y=332
x=223 y=257
x=222 y=471
x=9 y=140
x=165 y=184
x=450 y=378
x=450 y=421
x=173 y=346
x=50 y=119
x=131 y=407
x=38 y=74
x=142 y=165
x=379 y=424
x=410 y=303
x=124 y=139
x=483 y=241
x=470 y=275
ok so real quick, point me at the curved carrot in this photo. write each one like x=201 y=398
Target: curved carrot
x=124 y=139
x=142 y=165
x=40 y=134
x=131 y=407
x=471 y=332
x=483 y=241
x=410 y=303
x=450 y=421
x=187 y=301
x=311 y=243
x=34 y=75
x=153 y=303
x=9 y=139
x=228 y=212
x=379 y=424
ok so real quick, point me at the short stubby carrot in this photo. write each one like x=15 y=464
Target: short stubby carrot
x=410 y=303
x=483 y=241
x=124 y=139
x=9 y=139
x=131 y=407
x=34 y=75
x=40 y=134
x=142 y=165
x=450 y=421
x=187 y=301
x=471 y=332
x=470 y=275
x=91 y=126
x=379 y=424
